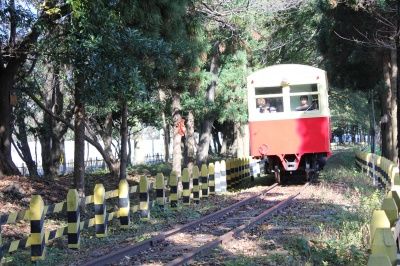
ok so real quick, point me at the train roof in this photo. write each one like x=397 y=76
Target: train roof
x=290 y=73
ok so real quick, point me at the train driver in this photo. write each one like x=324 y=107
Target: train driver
x=303 y=104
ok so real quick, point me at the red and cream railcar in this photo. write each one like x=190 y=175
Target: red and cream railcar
x=289 y=118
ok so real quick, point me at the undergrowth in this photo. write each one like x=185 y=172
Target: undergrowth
x=343 y=240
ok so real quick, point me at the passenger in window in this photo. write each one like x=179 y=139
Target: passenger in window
x=261 y=105
x=314 y=104
x=304 y=106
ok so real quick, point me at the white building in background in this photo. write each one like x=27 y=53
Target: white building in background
x=149 y=143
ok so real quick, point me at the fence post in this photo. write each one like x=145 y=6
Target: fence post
x=211 y=178
x=73 y=215
x=204 y=181
x=144 y=199
x=36 y=214
x=173 y=192
x=223 y=176
x=196 y=186
x=217 y=177
x=100 y=211
x=160 y=189
x=233 y=172
x=186 y=186
x=246 y=168
x=228 y=173
x=123 y=203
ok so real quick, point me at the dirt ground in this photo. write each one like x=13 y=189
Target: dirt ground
x=325 y=225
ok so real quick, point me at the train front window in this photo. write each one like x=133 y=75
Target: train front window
x=268 y=90
x=269 y=105
x=304 y=103
x=300 y=88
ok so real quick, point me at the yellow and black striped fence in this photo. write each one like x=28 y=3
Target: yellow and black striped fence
x=384 y=230
x=214 y=178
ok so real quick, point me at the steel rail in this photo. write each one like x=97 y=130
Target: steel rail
x=187 y=257
x=146 y=244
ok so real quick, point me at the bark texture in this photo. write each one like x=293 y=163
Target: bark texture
x=124 y=140
x=190 y=144
x=177 y=138
x=79 y=138
x=207 y=123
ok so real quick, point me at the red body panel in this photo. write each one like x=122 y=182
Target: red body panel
x=290 y=136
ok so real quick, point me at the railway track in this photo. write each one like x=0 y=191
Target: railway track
x=182 y=244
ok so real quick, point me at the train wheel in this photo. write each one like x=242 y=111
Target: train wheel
x=277 y=173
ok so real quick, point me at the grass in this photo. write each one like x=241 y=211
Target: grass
x=342 y=239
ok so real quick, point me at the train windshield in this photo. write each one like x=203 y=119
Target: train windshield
x=304 y=97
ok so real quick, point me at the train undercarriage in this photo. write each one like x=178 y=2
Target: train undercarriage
x=286 y=166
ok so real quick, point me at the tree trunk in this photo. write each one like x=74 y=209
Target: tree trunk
x=206 y=125
x=393 y=107
x=397 y=42
x=165 y=125
x=23 y=146
x=7 y=166
x=190 y=143
x=129 y=150
x=385 y=98
x=124 y=140
x=106 y=134
x=79 y=138
x=228 y=139
x=177 y=138
x=372 y=120
x=53 y=131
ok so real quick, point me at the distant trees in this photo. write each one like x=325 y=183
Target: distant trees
x=358 y=42
x=98 y=69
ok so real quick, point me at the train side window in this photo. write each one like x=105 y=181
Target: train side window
x=269 y=105
x=304 y=103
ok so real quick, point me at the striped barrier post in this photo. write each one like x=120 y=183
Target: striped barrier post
x=186 y=187
x=160 y=190
x=144 y=199
x=217 y=177
x=384 y=243
x=243 y=167
x=173 y=193
x=228 y=174
x=73 y=218
x=196 y=184
x=240 y=171
x=378 y=220
x=123 y=204
x=391 y=210
x=237 y=172
x=211 y=178
x=204 y=181
x=223 y=176
x=37 y=228
x=379 y=260
x=100 y=210
x=247 y=167
x=234 y=171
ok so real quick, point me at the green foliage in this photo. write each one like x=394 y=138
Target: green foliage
x=349 y=63
x=152 y=169
x=348 y=108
